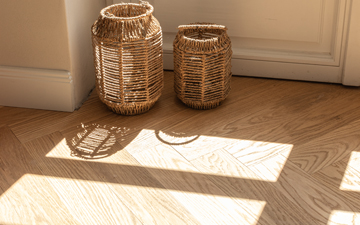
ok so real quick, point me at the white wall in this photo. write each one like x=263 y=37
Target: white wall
x=45 y=52
x=81 y=14
x=33 y=33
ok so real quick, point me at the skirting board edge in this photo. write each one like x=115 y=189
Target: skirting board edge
x=36 y=88
x=278 y=70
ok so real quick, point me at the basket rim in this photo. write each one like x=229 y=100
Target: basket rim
x=210 y=40
x=198 y=26
x=149 y=10
x=195 y=28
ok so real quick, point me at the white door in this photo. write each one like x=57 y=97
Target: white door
x=313 y=40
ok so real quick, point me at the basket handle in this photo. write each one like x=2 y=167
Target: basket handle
x=202 y=27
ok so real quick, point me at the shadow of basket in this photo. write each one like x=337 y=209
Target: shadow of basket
x=95 y=141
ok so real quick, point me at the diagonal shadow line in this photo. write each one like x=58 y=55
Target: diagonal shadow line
x=141 y=176
x=135 y=175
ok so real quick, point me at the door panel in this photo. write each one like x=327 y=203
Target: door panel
x=257 y=19
x=270 y=38
x=281 y=30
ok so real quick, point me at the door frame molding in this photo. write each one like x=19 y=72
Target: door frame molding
x=351 y=60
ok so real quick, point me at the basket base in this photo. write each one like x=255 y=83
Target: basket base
x=202 y=105
x=130 y=109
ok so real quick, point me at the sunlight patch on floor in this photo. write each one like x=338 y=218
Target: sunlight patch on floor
x=351 y=177
x=20 y=201
x=61 y=150
x=270 y=169
x=245 y=211
x=267 y=159
x=251 y=153
x=338 y=217
x=30 y=196
x=187 y=184
x=169 y=158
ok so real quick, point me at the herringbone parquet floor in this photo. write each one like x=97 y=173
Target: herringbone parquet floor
x=275 y=152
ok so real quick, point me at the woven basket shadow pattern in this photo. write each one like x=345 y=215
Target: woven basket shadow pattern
x=202 y=65
x=96 y=141
x=128 y=57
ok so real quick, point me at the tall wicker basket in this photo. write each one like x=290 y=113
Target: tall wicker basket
x=202 y=65
x=127 y=47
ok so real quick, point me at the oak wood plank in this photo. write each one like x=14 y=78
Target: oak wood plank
x=237 y=178
x=340 y=176
x=26 y=197
x=146 y=193
x=88 y=201
x=207 y=203
x=190 y=130
x=242 y=103
x=330 y=148
x=251 y=152
x=131 y=183
x=267 y=124
x=37 y=126
x=51 y=122
x=290 y=112
x=166 y=112
x=12 y=115
x=138 y=189
x=303 y=190
x=343 y=178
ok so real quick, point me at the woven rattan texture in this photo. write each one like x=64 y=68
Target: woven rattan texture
x=202 y=65
x=127 y=47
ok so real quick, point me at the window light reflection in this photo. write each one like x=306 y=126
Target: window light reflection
x=342 y=217
x=351 y=178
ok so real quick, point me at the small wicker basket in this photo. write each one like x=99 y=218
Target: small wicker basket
x=127 y=47
x=202 y=65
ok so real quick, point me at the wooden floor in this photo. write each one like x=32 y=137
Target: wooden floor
x=275 y=152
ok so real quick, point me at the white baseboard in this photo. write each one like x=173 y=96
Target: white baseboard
x=36 y=88
x=279 y=70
